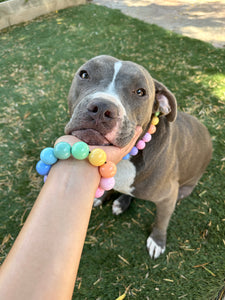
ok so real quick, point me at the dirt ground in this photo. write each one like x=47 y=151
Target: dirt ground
x=200 y=19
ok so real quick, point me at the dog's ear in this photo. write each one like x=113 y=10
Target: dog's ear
x=165 y=101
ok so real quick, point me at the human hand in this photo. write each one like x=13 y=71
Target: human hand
x=114 y=154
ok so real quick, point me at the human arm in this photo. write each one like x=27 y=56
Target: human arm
x=44 y=259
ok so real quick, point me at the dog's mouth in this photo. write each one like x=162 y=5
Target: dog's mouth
x=91 y=137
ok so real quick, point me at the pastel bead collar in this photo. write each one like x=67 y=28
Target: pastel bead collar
x=141 y=144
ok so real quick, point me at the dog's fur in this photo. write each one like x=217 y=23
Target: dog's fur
x=107 y=100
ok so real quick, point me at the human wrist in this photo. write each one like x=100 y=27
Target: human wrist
x=79 y=151
x=69 y=171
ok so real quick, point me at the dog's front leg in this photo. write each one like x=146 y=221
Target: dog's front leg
x=156 y=243
x=121 y=204
x=108 y=195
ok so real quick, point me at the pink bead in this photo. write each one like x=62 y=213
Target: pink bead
x=147 y=137
x=107 y=183
x=134 y=151
x=140 y=145
x=99 y=192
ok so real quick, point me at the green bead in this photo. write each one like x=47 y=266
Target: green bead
x=62 y=150
x=157 y=113
x=80 y=150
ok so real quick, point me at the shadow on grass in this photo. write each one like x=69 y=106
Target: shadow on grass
x=37 y=63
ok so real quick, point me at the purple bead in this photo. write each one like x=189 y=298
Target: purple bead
x=45 y=178
x=140 y=145
x=147 y=137
x=134 y=151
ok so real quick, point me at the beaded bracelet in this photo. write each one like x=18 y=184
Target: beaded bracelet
x=80 y=150
x=97 y=157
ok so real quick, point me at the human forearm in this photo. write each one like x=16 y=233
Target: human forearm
x=44 y=260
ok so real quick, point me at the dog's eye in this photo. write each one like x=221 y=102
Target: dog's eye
x=141 y=92
x=84 y=74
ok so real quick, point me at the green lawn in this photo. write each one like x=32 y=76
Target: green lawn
x=37 y=63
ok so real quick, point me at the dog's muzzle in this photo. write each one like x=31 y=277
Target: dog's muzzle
x=105 y=113
x=94 y=122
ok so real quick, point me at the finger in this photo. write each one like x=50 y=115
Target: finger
x=115 y=154
x=137 y=134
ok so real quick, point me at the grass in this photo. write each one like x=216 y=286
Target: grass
x=37 y=63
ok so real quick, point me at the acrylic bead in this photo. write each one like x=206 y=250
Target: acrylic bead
x=62 y=150
x=97 y=157
x=99 y=192
x=107 y=183
x=42 y=168
x=157 y=113
x=152 y=129
x=155 y=120
x=80 y=150
x=147 y=137
x=140 y=145
x=108 y=170
x=45 y=178
x=134 y=151
x=47 y=156
x=126 y=157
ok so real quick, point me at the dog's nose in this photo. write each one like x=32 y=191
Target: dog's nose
x=102 y=110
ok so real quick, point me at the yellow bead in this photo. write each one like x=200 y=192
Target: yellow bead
x=97 y=157
x=155 y=120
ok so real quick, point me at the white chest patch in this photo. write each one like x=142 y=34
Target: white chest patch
x=124 y=177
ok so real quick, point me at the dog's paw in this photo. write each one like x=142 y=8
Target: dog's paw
x=154 y=250
x=97 y=202
x=116 y=208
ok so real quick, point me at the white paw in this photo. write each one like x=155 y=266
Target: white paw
x=116 y=209
x=97 y=202
x=154 y=250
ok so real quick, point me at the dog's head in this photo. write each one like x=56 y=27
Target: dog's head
x=108 y=98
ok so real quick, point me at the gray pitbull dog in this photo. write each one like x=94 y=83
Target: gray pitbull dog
x=108 y=98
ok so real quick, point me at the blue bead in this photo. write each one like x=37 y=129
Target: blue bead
x=42 y=168
x=126 y=156
x=48 y=157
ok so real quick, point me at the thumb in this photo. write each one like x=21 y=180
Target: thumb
x=132 y=142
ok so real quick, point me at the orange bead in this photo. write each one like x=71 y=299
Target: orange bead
x=108 y=170
x=97 y=157
x=152 y=129
x=155 y=120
